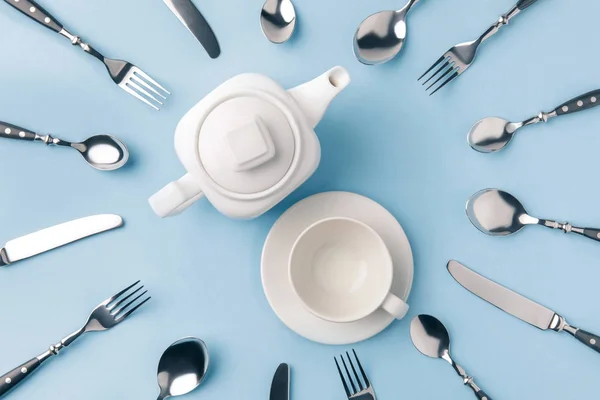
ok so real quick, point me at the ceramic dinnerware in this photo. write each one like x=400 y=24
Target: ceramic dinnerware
x=342 y=271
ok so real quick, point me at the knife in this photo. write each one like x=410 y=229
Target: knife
x=191 y=17
x=280 y=388
x=518 y=306
x=56 y=236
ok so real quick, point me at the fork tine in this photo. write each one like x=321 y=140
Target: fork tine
x=128 y=313
x=143 y=91
x=144 y=75
x=441 y=77
x=113 y=306
x=138 y=96
x=432 y=67
x=342 y=378
x=348 y=374
x=454 y=75
x=113 y=298
x=362 y=371
x=121 y=309
x=360 y=385
x=146 y=85
x=446 y=64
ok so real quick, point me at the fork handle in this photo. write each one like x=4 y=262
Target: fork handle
x=37 y=13
x=11 y=379
x=580 y=103
x=523 y=4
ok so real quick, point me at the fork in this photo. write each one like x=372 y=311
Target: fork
x=126 y=75
x=460 y=57
x=364 y=392
x=108 y=314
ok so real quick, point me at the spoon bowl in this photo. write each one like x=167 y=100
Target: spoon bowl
x=103 y=152
x=380 y=37
x=497 y=213
x=278 y=20
x=182 y=367
x=491 y=134
x=430 y=336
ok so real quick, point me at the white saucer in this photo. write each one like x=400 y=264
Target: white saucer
x=279 y=243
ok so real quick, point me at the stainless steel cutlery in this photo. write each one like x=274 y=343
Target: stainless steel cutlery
x=380 y=37
x=431 y=338
x=361 y=390
x=280 y=386
x=195 y=22
x=103 y=152
x=126 y=75
x=106 y=315
x=517 y=305
x=498 y=213
x=278 y=20
x=182 y=367
x=56 y=236
x=492 y=134
x=460 y=57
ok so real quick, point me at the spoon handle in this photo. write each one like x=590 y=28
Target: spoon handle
x=579 y=103
x=468 y=380
x=15 y=132
x=591 y=233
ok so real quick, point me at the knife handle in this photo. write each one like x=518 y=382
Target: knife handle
x=15 y=132
x=37 y=13
x=11 y=379
x=579 y=103
x=589 y=339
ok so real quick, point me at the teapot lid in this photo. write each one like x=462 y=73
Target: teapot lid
x=246 y=144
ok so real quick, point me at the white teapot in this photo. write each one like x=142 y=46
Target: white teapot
x=248 y=144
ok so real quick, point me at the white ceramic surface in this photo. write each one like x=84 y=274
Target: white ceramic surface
x=248 y=144
x=342 y=271
x=278 y=246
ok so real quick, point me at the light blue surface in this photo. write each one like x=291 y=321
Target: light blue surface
x=383 y=137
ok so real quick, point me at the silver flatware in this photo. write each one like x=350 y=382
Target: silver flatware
x=280 y=387
x=182 y=367
x=195 y=22
x=106 y=315
x=492 y=134
x=460 y=57
x=380 y=37
x=56 y=236
x=431 y=338
x=103 y=152
x=498 y=213
x=517 y=305
x=126 y=75
x=361 y=390
x=278 y=20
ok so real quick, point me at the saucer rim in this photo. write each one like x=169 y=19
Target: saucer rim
x=400 y=250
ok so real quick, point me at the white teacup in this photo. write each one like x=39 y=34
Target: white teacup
x=342 y=271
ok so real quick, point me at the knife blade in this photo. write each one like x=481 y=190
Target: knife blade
x=56 y=236
x=195 y=22
x=517 y=305
x=280 y=387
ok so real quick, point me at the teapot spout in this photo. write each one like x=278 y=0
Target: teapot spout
x=314 y=97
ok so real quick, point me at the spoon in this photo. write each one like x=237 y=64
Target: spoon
x=278 y=20
x=431 y=338
x=182 y=367
x=380 y=37
x=102 y=152
x=498 y=213
x=492 y=134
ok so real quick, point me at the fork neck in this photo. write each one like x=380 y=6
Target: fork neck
x=503 y=20
x=54 y=349
x=76 y=41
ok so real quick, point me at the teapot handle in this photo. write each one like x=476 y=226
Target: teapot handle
x=176 y=197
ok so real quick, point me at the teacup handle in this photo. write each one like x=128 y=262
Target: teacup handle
x=176 y=197
x=395 y=306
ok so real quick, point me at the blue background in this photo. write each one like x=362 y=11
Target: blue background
x=383 y=137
